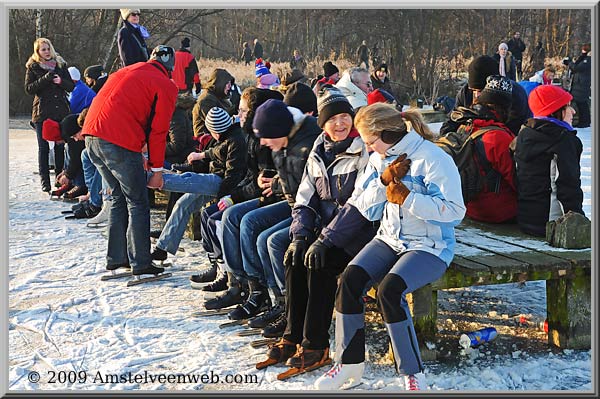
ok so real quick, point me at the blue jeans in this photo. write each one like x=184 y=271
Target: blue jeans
x=231 y=220
x=172 y=233
x=272 y=244
x=93 y=179
x=190 y=182
x=208 y=227
x=129 y=220
x=43 y=154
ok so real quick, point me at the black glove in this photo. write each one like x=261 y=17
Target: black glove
x=294 y=256
x=315 y=256
x=565 y=61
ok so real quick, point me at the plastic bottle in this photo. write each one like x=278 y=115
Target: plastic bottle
x=538 y=322
x=476 y=338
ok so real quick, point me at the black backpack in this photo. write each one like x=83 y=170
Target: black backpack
x=468 y=153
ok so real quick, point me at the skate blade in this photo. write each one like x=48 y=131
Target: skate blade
x=233 y=323
x=113 y=276
x=266 y=363
x=212 y=312
x=161 y=264
x=142 y=280
x=198 y=286
x=249 y=333
x=97 y=225
x=294 y=371
x=211 y=294
x=263 y=342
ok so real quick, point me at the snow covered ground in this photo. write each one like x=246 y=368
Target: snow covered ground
x=74 y=330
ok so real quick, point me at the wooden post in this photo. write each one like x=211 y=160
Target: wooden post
x=569 y=311
x=423 y=307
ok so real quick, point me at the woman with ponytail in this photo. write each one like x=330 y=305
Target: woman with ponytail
x=413 y=188
x=48 y=80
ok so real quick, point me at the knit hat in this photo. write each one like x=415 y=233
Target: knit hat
x=479 y=69
x=272 y=120
x=51 y=130
x=329 y=69
x=544 y=100
x=502 y=46
x=217 y=120
x=268 y=81
x=125 y=12
x=332 y=102
x=382 y=67
x=69 y=126
x=185 y=43
x=260 y=68
x=93 y=71
x=497 y=90
x=380 y=96
x=292 y=77
x=299 y=95
x=74 y=72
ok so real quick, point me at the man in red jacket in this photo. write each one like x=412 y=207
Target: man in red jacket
x=131 y=112
x=185 y=73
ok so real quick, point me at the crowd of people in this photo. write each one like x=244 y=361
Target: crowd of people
x=309 y=191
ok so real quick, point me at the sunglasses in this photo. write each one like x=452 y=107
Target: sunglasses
x=135 y=14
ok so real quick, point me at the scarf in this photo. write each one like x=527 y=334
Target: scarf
x=143 y=31
x=502 y=66
x=48 y=65
x=556 y=121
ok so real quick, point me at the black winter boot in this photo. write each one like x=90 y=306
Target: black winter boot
x=263 y=320
x=258 y=301
x=159 y=254
x=206 y=277
x=276 y=328
x=235 y=294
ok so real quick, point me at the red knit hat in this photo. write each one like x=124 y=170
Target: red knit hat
x=51 y=130
x=544 y=100
x=380 y=96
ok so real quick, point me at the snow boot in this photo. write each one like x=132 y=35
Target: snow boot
x=279 y=352
x=258 y=301
x=235 y=294
x=276 y=328
x=341 y=376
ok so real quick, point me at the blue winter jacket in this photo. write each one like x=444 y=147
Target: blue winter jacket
x=81 y=97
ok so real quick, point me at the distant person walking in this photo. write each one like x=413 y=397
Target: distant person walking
x=581 y=85
x=185 y=74
x=258 y=49
x=297 y=61
x=362 y=53
x=516 y=46
x=48 y=80
x=132 y=38
x=246 y=53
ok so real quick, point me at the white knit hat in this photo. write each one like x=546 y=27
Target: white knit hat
x=74 y=72
x=217 y=120
x=126 y=11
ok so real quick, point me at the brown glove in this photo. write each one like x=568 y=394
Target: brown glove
x=397 y=192
x=396 y=169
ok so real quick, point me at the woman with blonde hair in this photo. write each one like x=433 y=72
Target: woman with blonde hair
x=413 y=188
x=48 y=80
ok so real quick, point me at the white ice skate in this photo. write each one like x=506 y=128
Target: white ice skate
x=415 y=382
x=101 y=218
x=341 y=376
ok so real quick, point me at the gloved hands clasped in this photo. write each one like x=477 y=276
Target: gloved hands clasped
x=294 y=256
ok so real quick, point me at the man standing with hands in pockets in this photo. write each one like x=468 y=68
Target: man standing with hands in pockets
x=132 y=112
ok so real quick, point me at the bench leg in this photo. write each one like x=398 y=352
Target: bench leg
x=569 y=311
x=423 y=307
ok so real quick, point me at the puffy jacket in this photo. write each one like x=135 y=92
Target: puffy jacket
x=581 y=86
x=134 y=108
x=548 y=174
x=81 y=97
x=50 y=99
x=517 y=116
x=180 y=141
x=132 y=46
x=325 y=188
x=434 y=206
x=353 y=93
x=185 y=71
x=212 y=96
x=493 y=204
x=290 y=161
x=228 y=159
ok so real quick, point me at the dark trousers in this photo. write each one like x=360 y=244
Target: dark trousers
x=310 y=297
x=210 y=215
x=583 y=111
x=43 y=155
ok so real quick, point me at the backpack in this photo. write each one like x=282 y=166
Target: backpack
x=444 y=104
x=468 y=153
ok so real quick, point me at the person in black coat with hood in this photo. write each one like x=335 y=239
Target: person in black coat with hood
x=132 y=38
x=479 y=69
x=95 y=77
x=581 y=86
x=548 y=155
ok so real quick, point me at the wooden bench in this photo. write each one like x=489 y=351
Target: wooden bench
x=489 y=254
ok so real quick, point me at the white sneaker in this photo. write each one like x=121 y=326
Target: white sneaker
x=341 y=376
x=101 y=217
x=414 y=382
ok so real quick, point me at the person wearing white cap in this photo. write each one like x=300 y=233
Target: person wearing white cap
x=81 y=97
x=508 y=67
x=132 y=38
x=226 y=155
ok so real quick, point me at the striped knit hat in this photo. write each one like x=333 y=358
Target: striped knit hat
x=331 y=102
x=217 y=120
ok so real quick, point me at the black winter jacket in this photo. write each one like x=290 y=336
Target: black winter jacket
x=228 y=159
x=132 y=46
x=180 y=141
x=547 y=154
x=378 y=84
x=50 y=99
x=290 y=161
x=74 y=148
x=212 y=96
x=519 y=111
x=581 y=86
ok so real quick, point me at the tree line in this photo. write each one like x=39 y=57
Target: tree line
x=425 y=49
